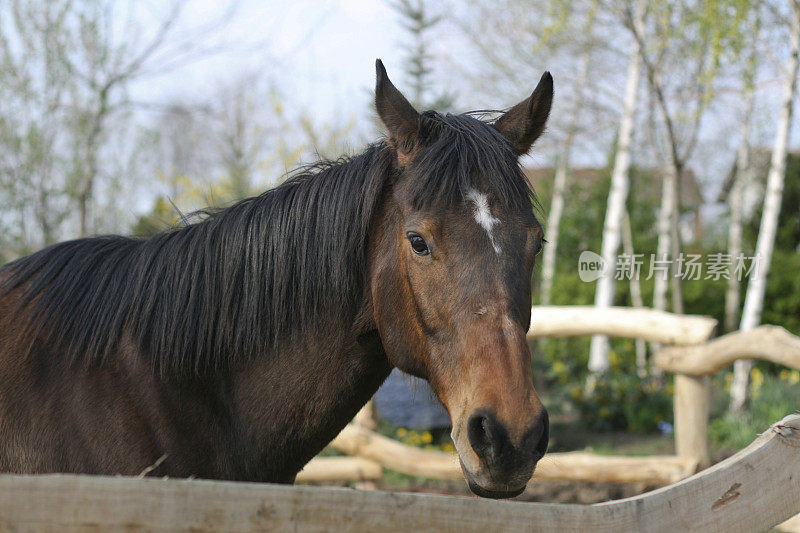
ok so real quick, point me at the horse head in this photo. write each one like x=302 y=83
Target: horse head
x=450 y=276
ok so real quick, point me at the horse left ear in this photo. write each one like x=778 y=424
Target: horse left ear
x=397 y=114
x=524 y=123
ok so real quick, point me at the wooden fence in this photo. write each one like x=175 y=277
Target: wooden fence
x=751 y=491
x=677 y=332
x=688 y=351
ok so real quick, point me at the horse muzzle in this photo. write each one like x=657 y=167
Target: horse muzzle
x=496 y=467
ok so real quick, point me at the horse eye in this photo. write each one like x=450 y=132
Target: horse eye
x=418 y=244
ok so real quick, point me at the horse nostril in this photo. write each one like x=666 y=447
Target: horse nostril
x=491 y=442
x=538 y=436
x=477 y=434
x=486 y=436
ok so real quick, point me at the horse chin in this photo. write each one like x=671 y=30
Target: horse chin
x=483 y=492
x=494 y=494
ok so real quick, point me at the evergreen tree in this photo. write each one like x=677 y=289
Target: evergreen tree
x=419 y=23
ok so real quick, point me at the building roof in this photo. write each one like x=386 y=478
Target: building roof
x=760 y=160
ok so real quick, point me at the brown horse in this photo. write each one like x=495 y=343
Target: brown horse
x=237 y=347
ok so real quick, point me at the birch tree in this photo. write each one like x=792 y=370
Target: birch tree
x=617 y=198
x=560 y=182
x=695 y=42
x=636 y=293
x=756 y=287
x=739 y=178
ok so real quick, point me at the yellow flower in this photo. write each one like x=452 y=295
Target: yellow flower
x=756 y=381
x=558 y=367
x=604 y=412
x=448 y=447
x=757 y=377
x=794 y=377
x=427 y=438
x=401 y=432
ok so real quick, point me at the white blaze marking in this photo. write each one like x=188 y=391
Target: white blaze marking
x=483 y=215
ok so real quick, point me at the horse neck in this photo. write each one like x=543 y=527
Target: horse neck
x=296 y=401
x=291 y=405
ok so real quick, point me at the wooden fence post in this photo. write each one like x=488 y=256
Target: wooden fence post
x=691 y=404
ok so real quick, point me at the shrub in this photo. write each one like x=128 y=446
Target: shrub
x=772 y=397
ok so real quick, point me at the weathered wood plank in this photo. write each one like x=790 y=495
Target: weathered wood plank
x=772 y=343
x=571 y=466
x=751 y=491
x=637 y=323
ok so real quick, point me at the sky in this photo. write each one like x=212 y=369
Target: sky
x=322 y=55
x=324 y=52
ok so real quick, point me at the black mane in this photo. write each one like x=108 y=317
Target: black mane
x=261 y=272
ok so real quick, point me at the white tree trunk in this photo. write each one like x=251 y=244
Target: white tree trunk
x=661 y=274
x=756 y=286
x=636 y=293
x=661 y=278
x=732 y=294
x=553 y=224
x=675 y=236
x=617 y=197
x=560 y=186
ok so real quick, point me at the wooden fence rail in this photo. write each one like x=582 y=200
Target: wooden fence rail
x=635 y=323
x=570 y=466
x=771 y=343
x=692 y=366
x=752 y=491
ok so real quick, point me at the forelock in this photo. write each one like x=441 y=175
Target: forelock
x=461 y=154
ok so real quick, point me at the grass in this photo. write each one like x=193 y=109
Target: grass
x=772 y=397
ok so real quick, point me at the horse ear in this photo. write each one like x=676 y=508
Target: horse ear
x=524 y=123
x=397 y=114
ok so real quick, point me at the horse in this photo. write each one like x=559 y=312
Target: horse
x=238 y=345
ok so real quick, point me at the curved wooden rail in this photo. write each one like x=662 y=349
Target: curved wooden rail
x=637 y=323
x=772 y=343
x=571 y=466
x=752 y=491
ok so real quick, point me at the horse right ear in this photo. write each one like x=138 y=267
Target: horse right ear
x=524 y=123
x=397 y=114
